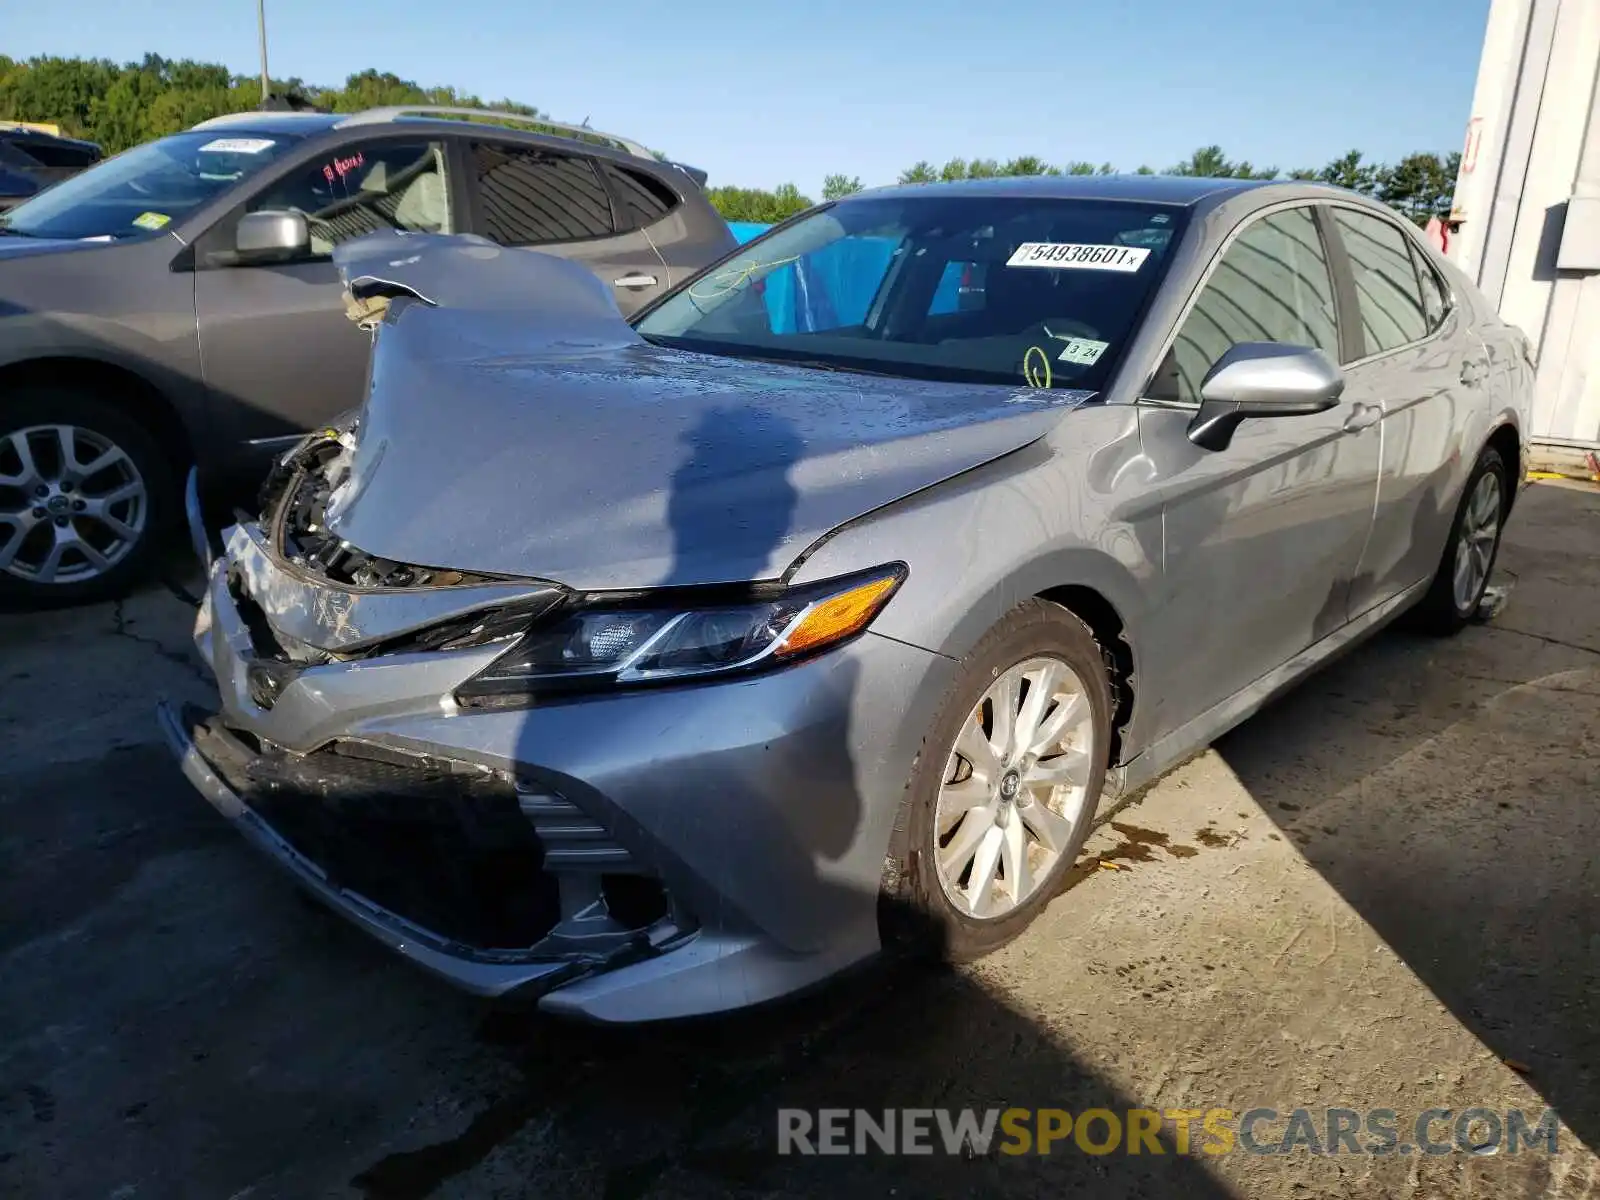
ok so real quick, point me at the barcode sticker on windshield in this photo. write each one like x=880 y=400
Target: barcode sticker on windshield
x=1078 y=256
x=238 y=145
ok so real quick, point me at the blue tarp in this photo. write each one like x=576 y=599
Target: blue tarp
x=832 y=287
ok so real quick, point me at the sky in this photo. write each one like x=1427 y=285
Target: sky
x=760 y=94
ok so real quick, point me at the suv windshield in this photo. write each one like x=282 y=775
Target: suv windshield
x=955 y=287
x=145 y=189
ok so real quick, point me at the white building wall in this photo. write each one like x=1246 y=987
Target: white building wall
x=1528 y=197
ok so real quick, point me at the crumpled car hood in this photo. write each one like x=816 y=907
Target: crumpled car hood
x=516 y=425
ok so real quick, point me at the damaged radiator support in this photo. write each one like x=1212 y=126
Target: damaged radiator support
x=294 y=504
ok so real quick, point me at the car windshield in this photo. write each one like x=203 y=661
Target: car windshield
x=145 y=189
x=954 y=287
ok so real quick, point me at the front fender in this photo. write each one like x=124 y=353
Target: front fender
x=1062 y=512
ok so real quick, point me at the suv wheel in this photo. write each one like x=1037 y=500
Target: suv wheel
x=85 y=497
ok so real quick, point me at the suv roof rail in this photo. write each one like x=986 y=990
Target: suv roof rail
x=378 y=116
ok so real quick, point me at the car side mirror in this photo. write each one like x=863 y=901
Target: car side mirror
x=271 y=235
x=1262 y=379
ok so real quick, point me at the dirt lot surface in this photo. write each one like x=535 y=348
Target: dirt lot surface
x=1380 y=893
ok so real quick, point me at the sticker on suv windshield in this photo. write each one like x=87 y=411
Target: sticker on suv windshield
x=1078 y=256
x=152 y=220
x=238 y=145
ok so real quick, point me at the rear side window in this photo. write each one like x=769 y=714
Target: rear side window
x=1392 y=312
x=532 y=197
x=1435 y=299
x=644 y=198
x=1272 y=285
x=52 y=154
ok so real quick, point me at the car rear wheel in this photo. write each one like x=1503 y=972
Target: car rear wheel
x=1470 y=553
x=1003 y=796
x=85 y=497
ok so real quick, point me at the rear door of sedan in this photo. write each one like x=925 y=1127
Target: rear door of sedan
x=1420 y=362
x=1261 y=540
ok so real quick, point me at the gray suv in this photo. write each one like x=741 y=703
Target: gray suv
x=178 y=304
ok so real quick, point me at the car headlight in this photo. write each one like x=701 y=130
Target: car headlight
x=610 y=644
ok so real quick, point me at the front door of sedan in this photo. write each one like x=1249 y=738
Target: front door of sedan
x=278 y=352
x=1421 y=363
x=558 y=204
x=1261 y=538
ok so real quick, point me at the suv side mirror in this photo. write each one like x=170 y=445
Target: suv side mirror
x=1262 y=379
x=271 y=235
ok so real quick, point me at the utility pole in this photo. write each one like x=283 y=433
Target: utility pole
x=261 y=25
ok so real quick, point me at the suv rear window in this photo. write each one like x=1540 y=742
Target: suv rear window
x=644 y=198
x=532 y=197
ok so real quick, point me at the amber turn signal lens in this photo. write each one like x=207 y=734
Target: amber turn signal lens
x=839 y=617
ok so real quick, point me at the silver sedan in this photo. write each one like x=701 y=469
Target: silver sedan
x=659 y=667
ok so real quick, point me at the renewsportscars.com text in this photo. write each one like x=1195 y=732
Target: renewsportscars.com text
x=1015 y=1131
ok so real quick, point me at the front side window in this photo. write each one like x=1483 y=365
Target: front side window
x=364 y=188
x=143 y=190
x=1271 y=285
x=1392 y=312
x=533 y=197
x=1005 y=290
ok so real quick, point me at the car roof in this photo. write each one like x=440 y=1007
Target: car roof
x=301 y=123
x=1147 y=189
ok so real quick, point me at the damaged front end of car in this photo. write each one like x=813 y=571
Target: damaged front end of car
x=325 y=657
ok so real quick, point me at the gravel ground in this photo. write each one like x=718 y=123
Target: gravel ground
x=1380 y=893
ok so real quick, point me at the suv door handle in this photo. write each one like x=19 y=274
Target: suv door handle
x=636 y=280
x=1362 y=416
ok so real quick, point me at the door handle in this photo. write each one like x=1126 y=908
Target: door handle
x=1362 y=416
x=636 y=280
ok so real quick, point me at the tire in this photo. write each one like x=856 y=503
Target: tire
x=931 y=909
x=135 y=494
x=1444 y=610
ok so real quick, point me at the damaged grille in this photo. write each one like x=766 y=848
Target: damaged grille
x=301 y=486
x=449 y=847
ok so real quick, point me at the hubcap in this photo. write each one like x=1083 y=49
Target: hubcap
x=72 y=504
x=1015 y=789
x=1480 y=531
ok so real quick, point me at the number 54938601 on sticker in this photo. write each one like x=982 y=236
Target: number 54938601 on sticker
x=1078 y=256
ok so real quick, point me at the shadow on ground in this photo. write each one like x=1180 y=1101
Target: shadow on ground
x=1440 y=788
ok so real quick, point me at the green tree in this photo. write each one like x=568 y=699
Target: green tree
x=1350 y=171
x=1025 y=165
x=919 y=172
x=756 y=204
x=836 y=187
x=1211 y=163
x=1420 y=185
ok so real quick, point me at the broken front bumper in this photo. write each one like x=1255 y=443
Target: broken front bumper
x=748 y=803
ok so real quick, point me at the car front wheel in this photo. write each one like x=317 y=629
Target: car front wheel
x=1004 y=793
x=85 y=494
